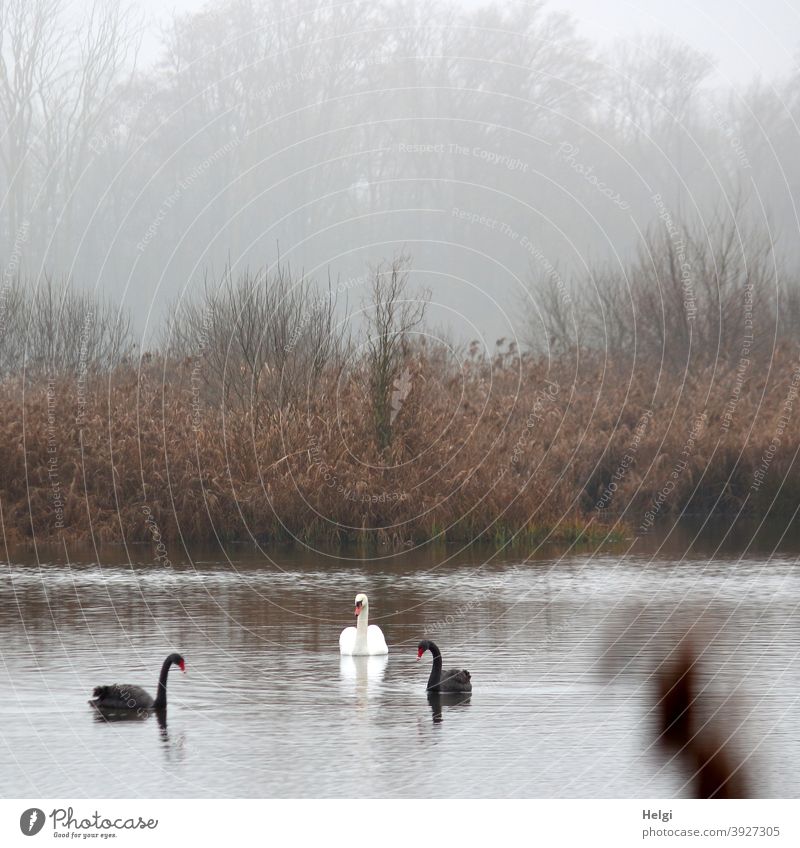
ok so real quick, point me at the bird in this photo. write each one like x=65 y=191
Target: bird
x=124 y=696
x=454 y=680
x=365 y=638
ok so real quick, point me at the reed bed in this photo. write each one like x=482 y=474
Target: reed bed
x=505 y=448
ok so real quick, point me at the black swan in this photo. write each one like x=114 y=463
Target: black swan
x=454 y=680
x=122 y=696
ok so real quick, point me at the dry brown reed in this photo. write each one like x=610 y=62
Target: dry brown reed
x=496 y=448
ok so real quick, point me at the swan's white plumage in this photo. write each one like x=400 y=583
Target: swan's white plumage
x=364 y=639
x=374 y=644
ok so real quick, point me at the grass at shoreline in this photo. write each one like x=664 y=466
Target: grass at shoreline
x=511 y=451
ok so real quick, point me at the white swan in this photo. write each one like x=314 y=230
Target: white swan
x=365 y=638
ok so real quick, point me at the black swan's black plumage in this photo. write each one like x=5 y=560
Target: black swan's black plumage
x=453 y=680
x=124 y=696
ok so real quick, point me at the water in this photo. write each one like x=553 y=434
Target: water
x=561 y=702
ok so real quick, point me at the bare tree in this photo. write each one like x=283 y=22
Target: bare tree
x=54 y=329
x=28 y=37
x=57 y=86
x=77 y=92
x=704 y=289
x=653 y=87
x=261 y=339
x=549 y=312
x=392 y=315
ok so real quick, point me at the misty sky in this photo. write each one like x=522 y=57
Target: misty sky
x=746 y=37
x=501 y=158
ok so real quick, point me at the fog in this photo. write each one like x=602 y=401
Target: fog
x=495 y=145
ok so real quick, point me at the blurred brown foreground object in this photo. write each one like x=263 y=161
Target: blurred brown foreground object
x=703 y=751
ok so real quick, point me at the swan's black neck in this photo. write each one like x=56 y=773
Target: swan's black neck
x=161 y=696
x=436 y=672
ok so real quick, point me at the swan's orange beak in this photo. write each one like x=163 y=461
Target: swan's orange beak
x=358 y=608
x=182 y=666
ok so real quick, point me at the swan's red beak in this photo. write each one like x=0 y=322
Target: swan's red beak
x=420 y=652
x=182 y=666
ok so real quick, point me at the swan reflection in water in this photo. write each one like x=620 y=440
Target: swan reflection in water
x=447 y=699
x=111 y=716
x=362 y=675
x=173 y=746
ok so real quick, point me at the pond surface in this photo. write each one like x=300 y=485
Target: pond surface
x=562 y=651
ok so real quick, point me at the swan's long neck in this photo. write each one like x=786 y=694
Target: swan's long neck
x=161 y=695
x=361 y=627
x=436 y=672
